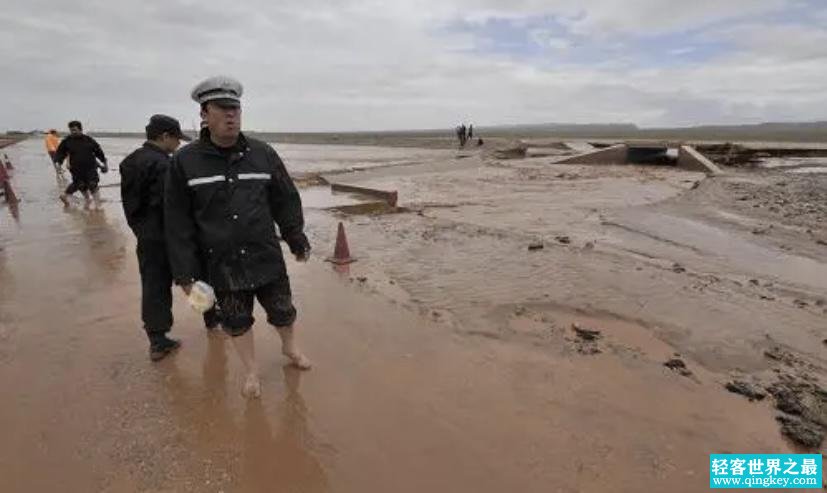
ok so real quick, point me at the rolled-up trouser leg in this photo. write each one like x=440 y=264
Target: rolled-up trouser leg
x=156 y=288
x=75 y=185
x=236 y=311
x=236 y=307
x=211 y=318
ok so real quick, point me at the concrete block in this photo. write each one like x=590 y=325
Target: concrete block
x=390 y=197
x=689 y=158
x=617 y=154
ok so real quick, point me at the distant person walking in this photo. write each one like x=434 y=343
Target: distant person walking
x=52 y=142
x=461 y=135
x=470 y=132
x=82 y=151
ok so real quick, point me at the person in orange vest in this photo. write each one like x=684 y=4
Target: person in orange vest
x=52 y=143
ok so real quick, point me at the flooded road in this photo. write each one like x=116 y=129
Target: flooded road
x=442 y=363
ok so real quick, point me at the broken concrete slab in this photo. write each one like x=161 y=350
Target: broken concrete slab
x=390 y=197
x=617 y=154
x=689 y=158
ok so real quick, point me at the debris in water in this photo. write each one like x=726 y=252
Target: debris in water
x=678 y=268
x=586 y=340
x=804 y=433
x=745 y=389
x=801 y=303
x=563 y=239
x=520 y=311
x=754 y=282
x=538 y=245
x=589 y=245
x=679 y=366
x=586 y=334
x=786 y=399
x=362 y=279
x=778 y=354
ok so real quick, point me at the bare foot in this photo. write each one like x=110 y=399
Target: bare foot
x=298 y=360
x=252 y=387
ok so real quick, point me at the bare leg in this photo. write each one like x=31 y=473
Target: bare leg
x=97 y=197
x=87 y=199
x=290 y=349
x=246 y=349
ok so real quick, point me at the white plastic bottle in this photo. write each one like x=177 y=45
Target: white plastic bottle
x=202 y=296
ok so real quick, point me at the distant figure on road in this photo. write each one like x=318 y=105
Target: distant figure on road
x=142 y=191
x=470 y=132
x=223 y=194
x=461 y=135
x=52 y=142
x=83 y=151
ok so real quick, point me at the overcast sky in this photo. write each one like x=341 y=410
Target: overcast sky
x=400 y=64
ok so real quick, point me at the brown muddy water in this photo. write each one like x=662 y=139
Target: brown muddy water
x=445 y=357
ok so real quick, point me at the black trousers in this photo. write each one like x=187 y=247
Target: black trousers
x=156 y=289
x=84 y=180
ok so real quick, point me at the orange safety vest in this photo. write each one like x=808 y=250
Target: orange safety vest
x=52 y=141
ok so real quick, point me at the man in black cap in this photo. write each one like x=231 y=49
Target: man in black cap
x=224 y=195
x=82 y=151
x=142 y=192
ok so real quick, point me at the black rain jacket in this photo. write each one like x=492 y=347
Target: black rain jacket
x=220 y=208
x=142 y=191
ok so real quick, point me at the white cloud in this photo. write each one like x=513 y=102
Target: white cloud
x=547 y=39
x=334 y=65
x=682 y=51
x=783 y=42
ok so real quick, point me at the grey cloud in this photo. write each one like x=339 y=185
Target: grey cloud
x=328 y=65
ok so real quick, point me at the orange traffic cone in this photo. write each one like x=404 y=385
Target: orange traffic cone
x=341 y=255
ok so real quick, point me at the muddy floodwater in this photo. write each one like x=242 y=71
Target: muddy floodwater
x=506 y=329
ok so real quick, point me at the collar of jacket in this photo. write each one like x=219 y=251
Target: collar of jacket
x=152 y=146
x=204 y=138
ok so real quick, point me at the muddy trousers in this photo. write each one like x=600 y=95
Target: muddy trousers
x=156 y=288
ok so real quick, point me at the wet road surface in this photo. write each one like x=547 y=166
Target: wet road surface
x=395 y=401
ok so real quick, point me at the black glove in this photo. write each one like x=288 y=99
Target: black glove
x=104 y=168
x=298 y=244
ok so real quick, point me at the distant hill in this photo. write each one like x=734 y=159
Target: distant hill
x=763 y=132
x=794 y=132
